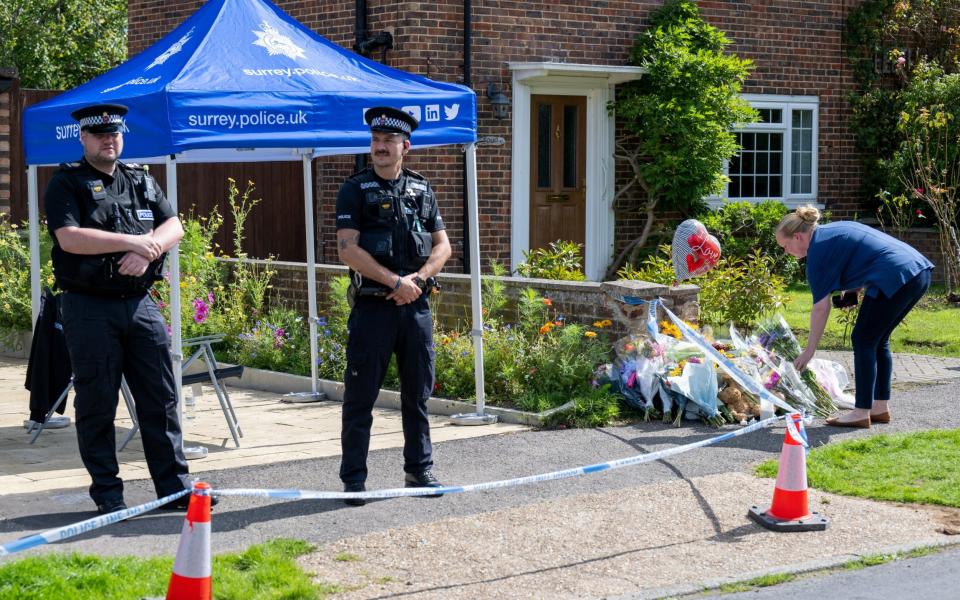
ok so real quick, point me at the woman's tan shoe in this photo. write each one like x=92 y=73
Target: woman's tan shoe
x=880 y=417
x=860 y=424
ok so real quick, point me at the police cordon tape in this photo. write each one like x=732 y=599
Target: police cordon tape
x=797 y=433
x=62 y=533
x=69 y=531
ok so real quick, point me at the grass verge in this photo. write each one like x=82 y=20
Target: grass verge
x=930 y=328
x=921 y=467
x=262 y=572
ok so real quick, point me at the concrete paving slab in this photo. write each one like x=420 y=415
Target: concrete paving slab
x=273 y=432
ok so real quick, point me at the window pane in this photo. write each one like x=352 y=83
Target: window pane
x=770 y=115
x=544 y=120
x=734 y=190
x=776 y=186
x=756 y=171
x=801 y=156
x=761 y=188
x=570 y=146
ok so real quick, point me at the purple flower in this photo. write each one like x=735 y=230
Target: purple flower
x=200 y=310
x=773 y=381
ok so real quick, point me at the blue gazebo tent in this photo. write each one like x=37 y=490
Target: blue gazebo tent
x=242 y=81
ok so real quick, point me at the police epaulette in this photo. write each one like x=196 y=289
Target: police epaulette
x=70 y=166
x=414 y=174
x=135 y=166
x=360 y=172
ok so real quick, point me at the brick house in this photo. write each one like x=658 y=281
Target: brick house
x=558 y=64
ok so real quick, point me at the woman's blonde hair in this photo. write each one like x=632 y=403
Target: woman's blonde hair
x=802 y=220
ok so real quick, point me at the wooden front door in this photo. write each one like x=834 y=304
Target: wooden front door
x=558 y=161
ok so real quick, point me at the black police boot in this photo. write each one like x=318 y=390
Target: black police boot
x=111 y=506
x=184 y=503
x=354 y=486
x=422 y=479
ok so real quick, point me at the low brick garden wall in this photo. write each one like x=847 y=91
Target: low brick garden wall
x=578 y=301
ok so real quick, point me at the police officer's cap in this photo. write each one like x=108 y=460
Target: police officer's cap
x=390 y=120
x=101 y=118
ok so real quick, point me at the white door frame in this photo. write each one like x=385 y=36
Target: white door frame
x=596 y=83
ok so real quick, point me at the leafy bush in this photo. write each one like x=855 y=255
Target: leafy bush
x=535 y=363
x=562 y=260
x=279 y=341
x=743 y=227
x=218 y=297
x=736 y=290
x=16 y=314
x=595 y=408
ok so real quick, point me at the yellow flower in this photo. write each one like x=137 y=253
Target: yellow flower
x=6 y=306
x=183 y=285
x=606 y=323
x=590 y=334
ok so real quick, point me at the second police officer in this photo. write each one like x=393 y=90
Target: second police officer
x=390 y=234
x=111 y=227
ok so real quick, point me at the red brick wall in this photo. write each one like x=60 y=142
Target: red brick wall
x=5 y=136
x=795 y=45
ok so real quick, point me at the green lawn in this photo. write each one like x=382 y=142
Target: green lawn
x=263 y=572
x=933 y=327
x=921 y=467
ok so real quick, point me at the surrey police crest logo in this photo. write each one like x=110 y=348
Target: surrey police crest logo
x=175 y=48
x=277 y=43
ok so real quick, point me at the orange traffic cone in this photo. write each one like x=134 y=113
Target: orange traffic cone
x=790 y=511
x=191 y=569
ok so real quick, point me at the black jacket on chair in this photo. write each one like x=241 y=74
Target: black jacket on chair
x=48 y=372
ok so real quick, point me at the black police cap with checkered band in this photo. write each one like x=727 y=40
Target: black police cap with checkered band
x=390 y=120
x=101 y=118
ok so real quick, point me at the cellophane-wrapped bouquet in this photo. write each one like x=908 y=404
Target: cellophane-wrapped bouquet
x=774 y=335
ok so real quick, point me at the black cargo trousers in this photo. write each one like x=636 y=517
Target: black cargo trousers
x=107 y=337
x=379 y=328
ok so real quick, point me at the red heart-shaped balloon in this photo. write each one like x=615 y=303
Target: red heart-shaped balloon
x=694 y=250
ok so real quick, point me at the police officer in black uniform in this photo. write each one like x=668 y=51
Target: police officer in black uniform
x=112 y=226
x=390 y=234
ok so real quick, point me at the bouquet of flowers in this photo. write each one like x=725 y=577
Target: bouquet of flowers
x=774 y=335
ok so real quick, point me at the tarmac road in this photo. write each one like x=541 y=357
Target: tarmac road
x=239 y=522
x=932 y=577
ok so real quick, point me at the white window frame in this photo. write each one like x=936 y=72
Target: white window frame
x=787 y=104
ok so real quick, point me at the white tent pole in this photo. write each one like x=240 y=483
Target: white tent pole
x=311 y=264
x=176 y=344
x=473 y=212
x=34 y=216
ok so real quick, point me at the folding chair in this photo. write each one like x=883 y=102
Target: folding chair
x=204 y=344
x=127 y=397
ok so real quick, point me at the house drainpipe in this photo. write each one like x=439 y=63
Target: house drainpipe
x=360 y=34
x=467 y=39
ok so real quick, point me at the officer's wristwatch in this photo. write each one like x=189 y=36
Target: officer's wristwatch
x=420 y=282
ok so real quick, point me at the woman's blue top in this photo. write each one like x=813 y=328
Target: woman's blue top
x=846 y=255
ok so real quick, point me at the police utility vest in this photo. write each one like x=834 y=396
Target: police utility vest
x=131 y=214
x=392 y=221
